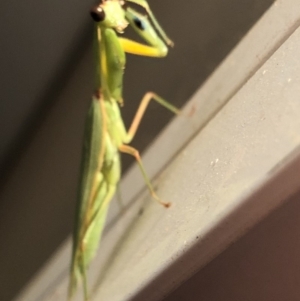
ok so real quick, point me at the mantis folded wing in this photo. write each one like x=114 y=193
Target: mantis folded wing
x=105 y=134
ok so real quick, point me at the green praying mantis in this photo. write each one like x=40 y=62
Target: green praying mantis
x=105 y=134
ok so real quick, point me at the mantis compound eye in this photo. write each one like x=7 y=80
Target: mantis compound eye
x=97 y=14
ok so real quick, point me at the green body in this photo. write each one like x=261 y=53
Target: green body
x=105 y=133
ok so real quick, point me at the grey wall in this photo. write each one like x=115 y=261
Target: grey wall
x=264 y=265
x=46 y=82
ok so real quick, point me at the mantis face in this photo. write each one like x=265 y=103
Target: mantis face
x=110 y=14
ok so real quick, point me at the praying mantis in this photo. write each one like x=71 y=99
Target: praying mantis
x=105 y=134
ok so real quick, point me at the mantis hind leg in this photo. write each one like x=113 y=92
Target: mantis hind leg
x=135 y=153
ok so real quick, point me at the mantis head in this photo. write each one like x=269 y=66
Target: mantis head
x=110 y=14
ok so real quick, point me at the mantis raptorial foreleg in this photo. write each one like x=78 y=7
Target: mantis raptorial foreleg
x=145 y=5
x=137 y=48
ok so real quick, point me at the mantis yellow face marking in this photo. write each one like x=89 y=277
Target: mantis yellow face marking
x=105 y=134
